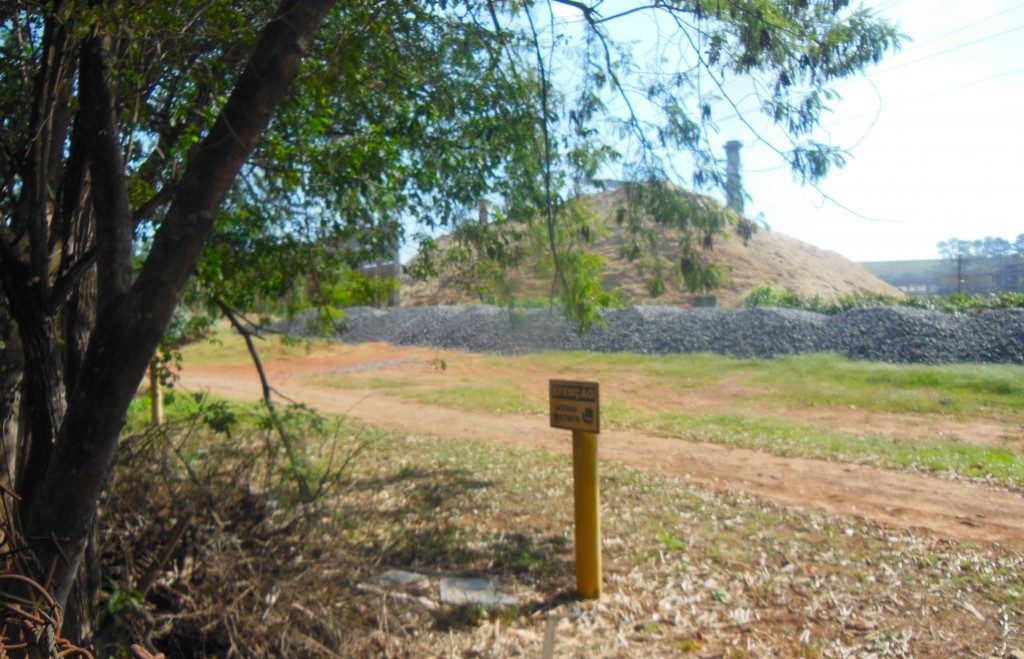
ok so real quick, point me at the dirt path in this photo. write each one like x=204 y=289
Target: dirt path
x=949 y=509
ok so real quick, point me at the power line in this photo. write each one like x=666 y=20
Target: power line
x=948 y=50
x=962 y=28
x=827 y=197
x=929 y=95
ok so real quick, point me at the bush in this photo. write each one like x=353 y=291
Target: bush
x=767 y=295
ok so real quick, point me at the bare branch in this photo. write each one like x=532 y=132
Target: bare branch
x=305 y=492
x=143 y=212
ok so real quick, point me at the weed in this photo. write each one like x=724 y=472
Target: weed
x=671 y=542
x=809 y=651
x=688 y=645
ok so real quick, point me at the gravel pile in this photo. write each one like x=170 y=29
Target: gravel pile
x=891 y=334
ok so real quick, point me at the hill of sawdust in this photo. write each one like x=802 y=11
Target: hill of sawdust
x=767 y=258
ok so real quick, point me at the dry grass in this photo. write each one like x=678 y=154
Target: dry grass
x=686 y=571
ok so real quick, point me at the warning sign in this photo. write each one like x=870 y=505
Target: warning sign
x=575 y=405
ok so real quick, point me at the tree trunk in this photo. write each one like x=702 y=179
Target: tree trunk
x=11 y=373
x=131 y=325
x=80 y=610
x=45 y=402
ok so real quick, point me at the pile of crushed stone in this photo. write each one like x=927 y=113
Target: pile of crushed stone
x=890 y=334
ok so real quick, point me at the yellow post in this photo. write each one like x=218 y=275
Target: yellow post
x=588 y=514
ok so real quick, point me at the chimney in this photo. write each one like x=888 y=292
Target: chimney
x=484 y=211
x=733 y=182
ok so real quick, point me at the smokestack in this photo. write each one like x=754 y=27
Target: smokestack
x=733 y=182
x=484 y=211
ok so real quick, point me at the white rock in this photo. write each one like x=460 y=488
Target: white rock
x=460 y=590
x=403 y=579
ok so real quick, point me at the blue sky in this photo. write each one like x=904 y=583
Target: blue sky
x=940 y=143
x=937 y=137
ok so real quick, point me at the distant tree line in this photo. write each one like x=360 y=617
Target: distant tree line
x=985 y=265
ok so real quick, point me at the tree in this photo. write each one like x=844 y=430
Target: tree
x=143 y=144
x=995 y=248
x=957 y=251
x=990 y=261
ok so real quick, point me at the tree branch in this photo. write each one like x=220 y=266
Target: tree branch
x=305 y=492
x=65 y=283
x=106 y=168
x=143 y=212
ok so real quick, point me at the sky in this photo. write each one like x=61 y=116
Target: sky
x=935 y=132
x=940 y=143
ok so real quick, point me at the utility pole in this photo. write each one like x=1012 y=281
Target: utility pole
x=484 y=212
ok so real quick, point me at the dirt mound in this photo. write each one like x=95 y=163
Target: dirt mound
x=768 y=258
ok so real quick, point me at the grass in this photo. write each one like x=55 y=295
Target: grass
x=225 y=346
x=344 y=381
x=673 y=371
x=498 y=396
x=811 y=380
x=796 y=439
x=830 y=380
x=678 y=560
x=827 y=381
x=746 y=393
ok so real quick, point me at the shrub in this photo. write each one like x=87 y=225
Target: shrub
x=767 y=295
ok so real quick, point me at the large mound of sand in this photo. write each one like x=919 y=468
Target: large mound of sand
x=767 y=258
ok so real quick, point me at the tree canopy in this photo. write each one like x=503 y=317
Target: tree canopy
x=249 y=147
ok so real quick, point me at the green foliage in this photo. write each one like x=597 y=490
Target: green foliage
x=797 y=50
x=672 y=542
x=483 y=254
x=312 y=450
x=406 y=116
x=584 y=295
x=122 y=603
x=767 y=295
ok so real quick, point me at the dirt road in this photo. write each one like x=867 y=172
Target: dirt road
x=945 y=508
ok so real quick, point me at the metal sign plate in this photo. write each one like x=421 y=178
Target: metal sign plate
x=575 y=405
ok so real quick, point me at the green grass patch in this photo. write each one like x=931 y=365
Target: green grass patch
x=819 y=380
x=225 y=346
x=832 y=380
x=346 y=381
x=671 y=542
x=797 y=439
x=678 y=371
x=499 y=397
